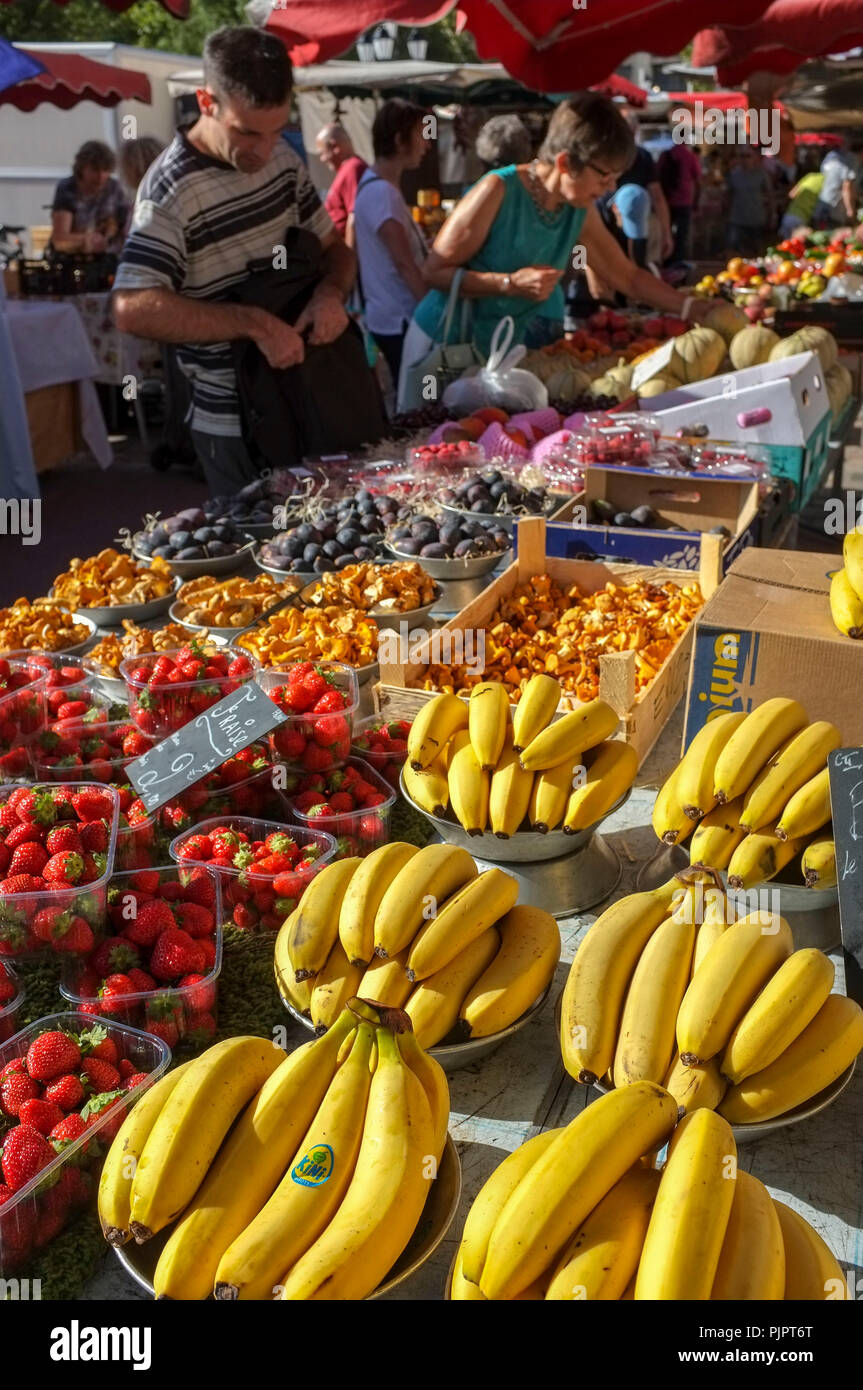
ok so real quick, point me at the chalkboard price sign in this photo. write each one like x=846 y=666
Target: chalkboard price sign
x=189 y=754
x=846 y=799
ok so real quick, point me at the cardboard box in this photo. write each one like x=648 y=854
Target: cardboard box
x=767 y=631
x=643 y=715
x=698 y=504
x=796 y=436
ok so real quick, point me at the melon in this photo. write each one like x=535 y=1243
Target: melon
x=658 y=385
x=697 y=354
x=727 y=320
x=839 y=386
x=808 y=339
x=752 y=346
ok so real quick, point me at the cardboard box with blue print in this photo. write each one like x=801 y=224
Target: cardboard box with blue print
x=783 y=406
x=767 y=631
x=727 y=507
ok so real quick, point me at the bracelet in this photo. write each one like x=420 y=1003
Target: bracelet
x=687 y=305
x=507 y=285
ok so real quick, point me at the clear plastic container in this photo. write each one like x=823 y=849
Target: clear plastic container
x=245 y=886
x=9 y=1011
x=141 y=846
x=100 y=770
x=260 y=794
x=387 y=765
x=87 y=900
x=40 y=1210
x=175 y=704
x=22 y=714
x=444 y=457
x=613 y=439
x=186 y=1014
x=314 y=742
x=355 y=832
x=78 y=670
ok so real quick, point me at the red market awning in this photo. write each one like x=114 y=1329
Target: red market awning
x=178 y=8
x=786 y=33
x=720 y=101
x=69 y=79
x=617 y=86
x=549 y=45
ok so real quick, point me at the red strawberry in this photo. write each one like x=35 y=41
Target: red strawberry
x=317 y=759
x=172 y=892
x=77 y=1186
x=72 y=709
x=78 y=939
x=112 y=993
x=319 y=810
x=174 y=954
x=115 y=955
x=196 y=847
x=66 y=1091
x=150 y=920
x=208 y=951
x=201 y=889
x=342 y=801
x=97 y=1106
x=41 y=1114
x=52 y=1054
x=200 y=1027
x=63 y=837
x=16 y=1090
x=29 y=833
x=67 y=1130
x=135 y=743
x=29 y=858
x=135 y=1079
x=245 y=917
x=65 y=867
x=93 y=805
x=200 y=998
x=51 y=1213
x=94 y=837
x=25 y=1153
x=331 y=700
x=194 y=919
x=142 y=982
x=125 y=1068
x=102 y=1076
x=145 y=881
x=50 y=923
x=16 y=1229
x=290 y=742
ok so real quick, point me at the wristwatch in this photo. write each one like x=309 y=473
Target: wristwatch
x=507 y=284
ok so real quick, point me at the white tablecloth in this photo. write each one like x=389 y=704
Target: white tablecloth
x=51 y=347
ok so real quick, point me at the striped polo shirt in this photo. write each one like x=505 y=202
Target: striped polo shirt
x=201 y=227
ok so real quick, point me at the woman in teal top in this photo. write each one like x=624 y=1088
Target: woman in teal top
x=517 y=231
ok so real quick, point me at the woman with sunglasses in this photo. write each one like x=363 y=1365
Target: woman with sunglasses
x=517 y=230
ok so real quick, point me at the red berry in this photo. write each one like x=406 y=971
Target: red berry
x=52 y=1054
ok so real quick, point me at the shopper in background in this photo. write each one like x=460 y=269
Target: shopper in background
x=643 y=172
x=504 y=140
x=136 y=156
x=712 y=204
x=90 y=210
x=802 y=202
x=389 y=244
x=750 y=210
x=680 y=175
x=840 y=192
x=335 y=150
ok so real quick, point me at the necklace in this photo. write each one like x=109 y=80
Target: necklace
x=536 y=189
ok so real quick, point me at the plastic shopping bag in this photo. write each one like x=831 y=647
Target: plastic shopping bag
x=499 y=382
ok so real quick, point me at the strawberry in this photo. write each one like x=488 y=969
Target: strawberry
x=201 y=994
x=25 y=1153
x=331 y=701
x=63 y=837
x=245 y=917
x=135 y=1079
x=196 y=847
x=93 y=805
x=51 y=1054
x=342 y=801
x=51 y=1213
x=135 y=743
x=78 y=939
x=150 y=920
x=145 y=880
x=28 y=833
x=200 y=1027
x=208 y=952
x=317 y=759
x=194 y=919
x=41 y=1114
x=201 y=889
x=16 y=1229
x=101 y=1076
x=115 y=955
x=112 y=993
x=50 y=923
x=29 y=858
x=290 y=742
x=141 y=981
x=77 y=1186
x=16 y=1090
x=97 y=1106
x=174 y=954
x=71 y=709
x=319 y=810
x=65 y=867
x=125 y=1068
x=94 y=837
x=65 y=1091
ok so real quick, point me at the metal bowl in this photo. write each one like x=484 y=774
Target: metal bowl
x=438 y=1214
x=415 y=617
x=216 y=564
x=453 y=1056
x=469 y=568
x=525 y=847
x=225 y=634
x=505 y=520
x=113 y=615
x=78 y=648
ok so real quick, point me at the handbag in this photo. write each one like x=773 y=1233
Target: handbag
x=446 y=361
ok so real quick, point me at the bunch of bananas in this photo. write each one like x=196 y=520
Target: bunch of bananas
x=422 y=930
x=753 y=792
x=299 y=1177
x=668 y=987
x=502 y=771
x=575 y=1214
x=846 y=587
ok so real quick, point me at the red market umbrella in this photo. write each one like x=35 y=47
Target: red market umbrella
x=178 y=8
x=549 y=45
x=617 y=86
x=69 y=79
x=786 y=33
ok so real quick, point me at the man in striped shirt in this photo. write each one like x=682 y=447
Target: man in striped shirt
x=213 y=209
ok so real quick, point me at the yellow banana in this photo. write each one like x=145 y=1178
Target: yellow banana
x=461 y=1289
x=315 y=924
x=333 y=987
x=550 y=793
x=760 y=857
x=488 y=721
x=535 y=710
x=807 y=810
x=846 y=605
x=428 y=788
x=190 y=1127
x=852 y=555
x=696 y=1088
x=752 y=1262
x=509 y=793
x=385 y=1199
x=569 y=1180
x=819 y=863
x=115 y=1183
x=363 y=897
x=611 y=773
x=301 y=1202
x=462 y=918
x=690 y=1215
x=786 y=1005
x=812 y=1271
x=469 y=786
x=715 y=838
x=812 y=1061
x=629 y=1292
x=598 y=979
x=713 y=924
x=434 y=1003
x=697 y=769
x=788 y=770
x=386 y=981
x=433 y=726
x=763 y=730
x=581 y=728
x=645 y=1044
x=603 y=1254
x=248 y=1166
x=735 y=968
x=296 y=992
x=432 y=1077
x=416 y=893
x=515 y=978
x=670 y=822
x=491 y=1200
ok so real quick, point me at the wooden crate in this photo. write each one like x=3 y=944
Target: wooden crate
x=644 y=714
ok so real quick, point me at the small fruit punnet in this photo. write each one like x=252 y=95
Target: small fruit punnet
x=69 y=749
x=22 y=713
x=167 y=689
x=382 y=743
x=264 y=867
x=321 y=700
x=352 y=804
x=160 y=969
x=66 y=1085
x=246 y=784
x=11 y=999
x=57 y=846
